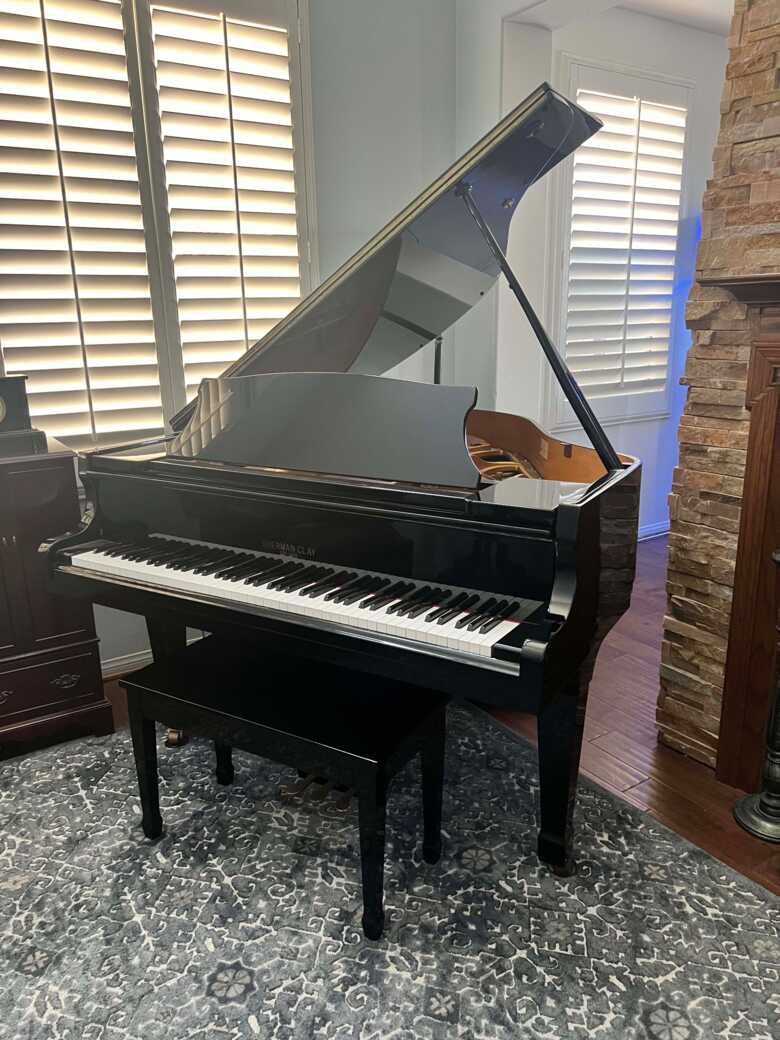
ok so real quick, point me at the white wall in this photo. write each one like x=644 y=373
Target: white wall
x=643 y=43
x=383 y=89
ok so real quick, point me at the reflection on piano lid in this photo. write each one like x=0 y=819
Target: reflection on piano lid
x=430 y=264
x=340 y=425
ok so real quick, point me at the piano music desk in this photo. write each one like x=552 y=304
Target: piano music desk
x=317 y=718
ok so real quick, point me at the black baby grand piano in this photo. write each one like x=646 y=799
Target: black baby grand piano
x=307 y=503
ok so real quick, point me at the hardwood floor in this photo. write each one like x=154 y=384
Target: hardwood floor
x=621 y=751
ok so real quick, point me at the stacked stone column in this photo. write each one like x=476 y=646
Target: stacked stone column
x=740 y=237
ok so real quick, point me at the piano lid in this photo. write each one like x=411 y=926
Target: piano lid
x=355 y=426
x=430 y=264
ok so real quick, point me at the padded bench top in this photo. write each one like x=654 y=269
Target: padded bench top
x=347 y=710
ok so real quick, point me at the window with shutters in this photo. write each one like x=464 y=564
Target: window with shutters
x=154 y=201
x=622 y=262
x=75 y=312
x=226 y=120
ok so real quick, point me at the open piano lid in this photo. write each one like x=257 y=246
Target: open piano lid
x=429 y=265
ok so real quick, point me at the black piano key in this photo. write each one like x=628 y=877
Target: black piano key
x=409 y=600
x=393 y=597
x=427 y=606
x=372 y=586
x=123 y=547
x=331 y=581
x=453 y=612
x=206 y=561
x=190 y=560
x=344 y=587
x=153 y=547
x=160 y=559
x=118 y=548
x=481 y=608
x=135 y=552
x=302 y=586
x=378 y=599
x=354 y=586
x=141 y=554
x=480 y=619
x=215 y=565
x=301 y=579
x=281 y=579
x=423 y=601
x=236 y=569
x=99 y=545
x=207 y=555
x=497 y=619
x=436 y=614
x=254 y=570
x=188 y=552
x=281 y=568
x=317 y=575
x=158 y=549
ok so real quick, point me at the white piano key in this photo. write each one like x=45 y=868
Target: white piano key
x=383 y=621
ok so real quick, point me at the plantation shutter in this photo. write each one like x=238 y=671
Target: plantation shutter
x=75 y=311
x=226 y=120
x=627 y=185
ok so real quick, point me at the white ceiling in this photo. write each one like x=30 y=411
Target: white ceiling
x=710 y=15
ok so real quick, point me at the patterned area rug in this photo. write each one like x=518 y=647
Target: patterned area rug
x=244 y=920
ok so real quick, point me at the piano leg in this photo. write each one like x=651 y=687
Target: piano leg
x=144 y=737
x=167 y=636
x=560 y=726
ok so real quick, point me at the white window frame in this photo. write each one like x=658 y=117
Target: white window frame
x=294 y=14
x=574 y=72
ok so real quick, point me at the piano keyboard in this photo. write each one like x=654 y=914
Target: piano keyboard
x=446 y=616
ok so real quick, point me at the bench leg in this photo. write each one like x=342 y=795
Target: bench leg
x=168 y=636
x=144 y=737
x=432 y=762
x=224 y=754
x=372 y=799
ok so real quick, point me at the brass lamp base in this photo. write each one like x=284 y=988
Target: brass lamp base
x=752 y=814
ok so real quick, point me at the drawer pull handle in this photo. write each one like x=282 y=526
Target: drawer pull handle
x=4 y=695
x=66 y=680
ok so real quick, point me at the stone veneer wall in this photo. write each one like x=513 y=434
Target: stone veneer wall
x=740 y=236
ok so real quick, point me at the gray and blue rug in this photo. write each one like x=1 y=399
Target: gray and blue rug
x=244 y=920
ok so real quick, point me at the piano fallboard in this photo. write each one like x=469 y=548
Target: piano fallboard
x=436 y=539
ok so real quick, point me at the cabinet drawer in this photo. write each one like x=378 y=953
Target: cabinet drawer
x=47 y=686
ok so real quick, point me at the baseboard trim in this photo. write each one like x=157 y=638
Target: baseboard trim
x=653 y=530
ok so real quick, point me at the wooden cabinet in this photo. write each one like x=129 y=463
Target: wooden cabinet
x=50 y=682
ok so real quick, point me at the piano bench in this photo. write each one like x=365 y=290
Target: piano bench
x=355 y=731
